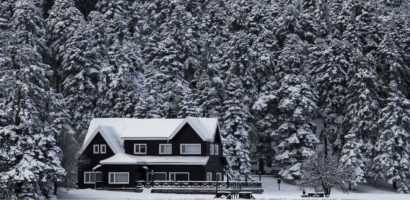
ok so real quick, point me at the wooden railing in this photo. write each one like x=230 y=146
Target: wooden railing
x=200 y=184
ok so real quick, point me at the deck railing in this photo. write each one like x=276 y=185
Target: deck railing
x=200 y=184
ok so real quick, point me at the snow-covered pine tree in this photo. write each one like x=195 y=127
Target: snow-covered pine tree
x=235 y=129
x=329 y=76
x=164 y=54
x=209 y=84
x=83 y=59
x=189 y=106
x=30 y=159
x=293 y=97
x=393 y=154
x=296 y=104
x=63 y=20
x=120 y=81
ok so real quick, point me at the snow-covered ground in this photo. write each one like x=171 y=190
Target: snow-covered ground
x=287 y=192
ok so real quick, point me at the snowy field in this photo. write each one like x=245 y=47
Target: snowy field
x=287 y=192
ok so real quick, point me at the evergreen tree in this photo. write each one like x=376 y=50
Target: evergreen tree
x=235 y=130
x=392 y=159
x=83 y=59
x=30 y=158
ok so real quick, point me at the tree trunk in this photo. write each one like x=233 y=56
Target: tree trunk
x=395 y=185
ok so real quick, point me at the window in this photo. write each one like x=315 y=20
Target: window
x=209 y=176
x=214 y=149
x=103 y=149
x=158 y=176
x=140 y=148
x=118 y=177
x=190 y=148
x=165 y=148
x=92 y=177
x=179 y=176
x=96 y=149
x=219 y=176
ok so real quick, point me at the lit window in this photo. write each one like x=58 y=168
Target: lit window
x=165 y=149
x=96 y=149
x=118 y=178
x=103 y=149
x=190 y=149
x=140 y=148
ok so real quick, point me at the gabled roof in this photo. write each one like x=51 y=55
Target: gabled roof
x=114 y=130
x=109 y=135
x=125 y=159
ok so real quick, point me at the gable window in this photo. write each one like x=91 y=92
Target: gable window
x=214 y=149
x=92 y=177
x=140 y=148
x=165 y=148
x=103 y=149
x=118 y=177
x=190 y=149
x=96 y=149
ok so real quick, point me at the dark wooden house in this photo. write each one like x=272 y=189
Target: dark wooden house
x=121 y=152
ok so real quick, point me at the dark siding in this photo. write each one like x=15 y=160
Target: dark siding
x=88 y=159
x=134 y=173
x=196 y=172
x=185 y=135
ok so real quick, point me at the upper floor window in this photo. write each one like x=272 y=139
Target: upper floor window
x=140 y=148
x=214 y=149
x=165 y=148
x=96 y=148
x=103 y=149
x=99 y=149
x=190 y=149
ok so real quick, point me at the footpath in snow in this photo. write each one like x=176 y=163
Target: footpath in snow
x=287 y=192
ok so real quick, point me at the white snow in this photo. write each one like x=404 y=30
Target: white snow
x=123 y=159
x=109 y=134
x=132 y=128
x=287 y=192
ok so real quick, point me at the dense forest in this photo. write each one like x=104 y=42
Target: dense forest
x=269 y=70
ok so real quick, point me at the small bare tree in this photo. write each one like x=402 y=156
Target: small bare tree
x=324 y=171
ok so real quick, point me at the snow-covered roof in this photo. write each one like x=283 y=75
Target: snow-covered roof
x=117 y=129
x=126 y=159
x=110 y=136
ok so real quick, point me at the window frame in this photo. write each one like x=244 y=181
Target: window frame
x=187 y=144
x=207 y=176
x=140 y=144
x=216 y=149
x=175 y=173
x=166 y=144
x=101 y=149
x=220 y=176
x=96 y=149
x=117 y=183
x=90 y=174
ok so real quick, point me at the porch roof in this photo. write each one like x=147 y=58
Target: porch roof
x=125 y=159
